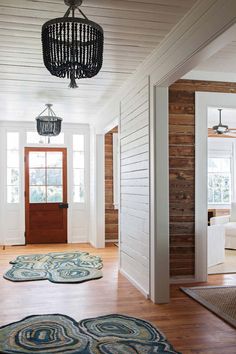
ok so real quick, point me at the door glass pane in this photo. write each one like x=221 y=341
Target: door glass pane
x=54 y=194
x=46 y=177
x=13 y=194
x=12 y=158
x=12 y=176
x=78 y=142
x=78 y=160
x=54 y=159
x=78 y=194
x=12 y=141
x=36 y=159
x=38 y=194
x=54 y=176
x=37 y=177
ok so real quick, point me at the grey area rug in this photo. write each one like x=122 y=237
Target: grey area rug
x=58 y=267
x=111 y=334
x=219 y=299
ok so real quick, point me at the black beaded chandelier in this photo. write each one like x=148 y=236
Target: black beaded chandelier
x=48 y=124
x=72 y=46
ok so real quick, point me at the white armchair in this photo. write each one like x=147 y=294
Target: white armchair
x=215 y=244
x=229 y=223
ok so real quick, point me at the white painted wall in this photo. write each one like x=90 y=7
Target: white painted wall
x=134 y=186
x=97 y=190
x=12 y=218
x=196 y=37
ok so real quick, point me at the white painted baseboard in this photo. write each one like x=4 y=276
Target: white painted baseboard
x=14 y=242
x=78 y=240
x=109 y=241
x=183 y=280
x=134 y=283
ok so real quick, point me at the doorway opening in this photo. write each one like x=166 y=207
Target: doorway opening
x=46 y=195
x=111 y=187
x=221 y=186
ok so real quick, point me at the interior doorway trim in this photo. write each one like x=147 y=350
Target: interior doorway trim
x=203 y=100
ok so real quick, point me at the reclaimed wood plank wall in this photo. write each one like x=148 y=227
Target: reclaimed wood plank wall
x=111 y=214
x=182 y=169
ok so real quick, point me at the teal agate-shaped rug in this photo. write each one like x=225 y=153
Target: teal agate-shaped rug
x=112 y=334
x=66 y=267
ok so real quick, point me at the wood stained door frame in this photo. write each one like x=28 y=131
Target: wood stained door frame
x=27 y=150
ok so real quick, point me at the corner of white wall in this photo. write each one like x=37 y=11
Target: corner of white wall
x=97 y=200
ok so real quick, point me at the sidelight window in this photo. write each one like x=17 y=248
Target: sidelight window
x=78 y=169
x=13 y=168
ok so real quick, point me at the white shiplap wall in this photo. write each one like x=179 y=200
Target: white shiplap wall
x=134 y=176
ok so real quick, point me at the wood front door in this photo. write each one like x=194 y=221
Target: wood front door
x=46 y=195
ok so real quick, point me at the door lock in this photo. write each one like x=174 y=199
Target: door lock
x=63 y=205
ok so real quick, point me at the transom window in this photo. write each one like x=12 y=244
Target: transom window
x=219 y=180
x=35 y=138
x=45 y=177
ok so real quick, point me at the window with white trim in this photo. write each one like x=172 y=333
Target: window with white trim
x=13 y=168
x=78 y=169
x=219 y=180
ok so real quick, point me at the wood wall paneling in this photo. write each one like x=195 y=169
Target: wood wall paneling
x=182 y=170
x=111 y=214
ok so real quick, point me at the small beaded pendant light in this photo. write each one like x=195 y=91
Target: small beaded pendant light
x=48 y=124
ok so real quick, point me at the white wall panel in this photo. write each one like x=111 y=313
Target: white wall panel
x=134 y=174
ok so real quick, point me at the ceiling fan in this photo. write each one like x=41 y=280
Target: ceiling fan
x=222 y=129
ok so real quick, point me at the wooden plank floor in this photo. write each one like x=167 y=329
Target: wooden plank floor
x=188 y=325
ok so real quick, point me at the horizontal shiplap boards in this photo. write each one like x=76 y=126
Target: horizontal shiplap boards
x=136 y=134
x=131 y=205
x=135 y=151
x=135 y=159
x=135 y=270
x=135 y=175
x=140 y=121
x=135 y=190
x=137 y=106
x=126 y=45
x=135 y=144
x=129 y=210
x=137 y=166
x=134 y=184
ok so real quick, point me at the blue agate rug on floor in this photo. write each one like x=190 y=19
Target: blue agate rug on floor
x=58 y=267
x=112 y=334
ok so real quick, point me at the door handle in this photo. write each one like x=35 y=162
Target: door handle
x=63 y=205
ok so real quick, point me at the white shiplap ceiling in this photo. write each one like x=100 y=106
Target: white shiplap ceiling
x=132 y=29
